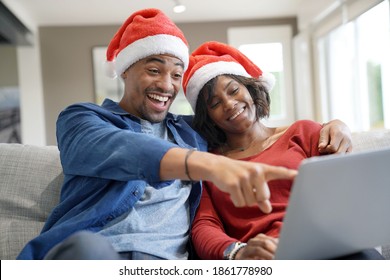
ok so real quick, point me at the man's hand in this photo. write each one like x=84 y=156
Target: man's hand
x=246 y=182
x=261 y=247
x=335 y=137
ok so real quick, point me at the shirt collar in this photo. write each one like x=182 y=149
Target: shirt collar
x=114 y=107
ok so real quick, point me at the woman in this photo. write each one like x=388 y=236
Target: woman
x=230 y=96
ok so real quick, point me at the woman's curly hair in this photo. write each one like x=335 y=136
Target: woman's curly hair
x=203 y=123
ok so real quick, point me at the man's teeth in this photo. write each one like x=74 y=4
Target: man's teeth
x=236 y=114
x=158 y=97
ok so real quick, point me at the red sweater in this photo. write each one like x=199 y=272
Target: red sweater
x=218 y=222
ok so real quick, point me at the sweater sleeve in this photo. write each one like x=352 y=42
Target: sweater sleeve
x=208 y=233
x=308 y=133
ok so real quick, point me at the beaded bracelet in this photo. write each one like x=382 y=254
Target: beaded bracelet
x=234 y=252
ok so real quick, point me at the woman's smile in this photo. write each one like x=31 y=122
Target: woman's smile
x=237 y=114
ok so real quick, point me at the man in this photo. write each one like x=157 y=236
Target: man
x=133 y=170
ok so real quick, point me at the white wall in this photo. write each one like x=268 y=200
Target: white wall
x=33 y=130
x=311 y=14
x=303 y=85
x=311 y=11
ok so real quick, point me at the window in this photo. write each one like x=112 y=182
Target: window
x=270 y=49
x=271 y=56
x=353 y=63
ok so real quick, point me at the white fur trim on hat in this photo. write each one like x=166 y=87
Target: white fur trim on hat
x=109 y=69
x=207 y=73
x=268 y=80
x=151 y=45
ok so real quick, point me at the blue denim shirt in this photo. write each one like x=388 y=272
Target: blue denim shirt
x=107 y=163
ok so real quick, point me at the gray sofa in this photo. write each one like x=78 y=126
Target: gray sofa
x=31 y=177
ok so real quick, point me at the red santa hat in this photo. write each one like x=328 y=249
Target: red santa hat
x=212 y=59
x=146 y=32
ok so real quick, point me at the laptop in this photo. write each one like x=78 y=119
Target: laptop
x=339 y=205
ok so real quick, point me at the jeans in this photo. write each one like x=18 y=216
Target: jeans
x=86 y=245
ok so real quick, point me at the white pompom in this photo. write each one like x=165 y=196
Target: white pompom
x=109 y=68
x=268 y=80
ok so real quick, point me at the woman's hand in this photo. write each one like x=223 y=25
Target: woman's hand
x=335 y=137
x=261 y=247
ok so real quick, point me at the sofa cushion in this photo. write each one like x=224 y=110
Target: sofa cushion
x=371 y=140
x=31 y=178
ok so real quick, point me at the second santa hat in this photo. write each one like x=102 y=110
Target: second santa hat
x=146 y=32
x=212 y=59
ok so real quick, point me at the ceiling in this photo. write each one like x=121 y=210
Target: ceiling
x=103 y=12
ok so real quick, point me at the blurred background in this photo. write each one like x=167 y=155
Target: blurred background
x=330 y=57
